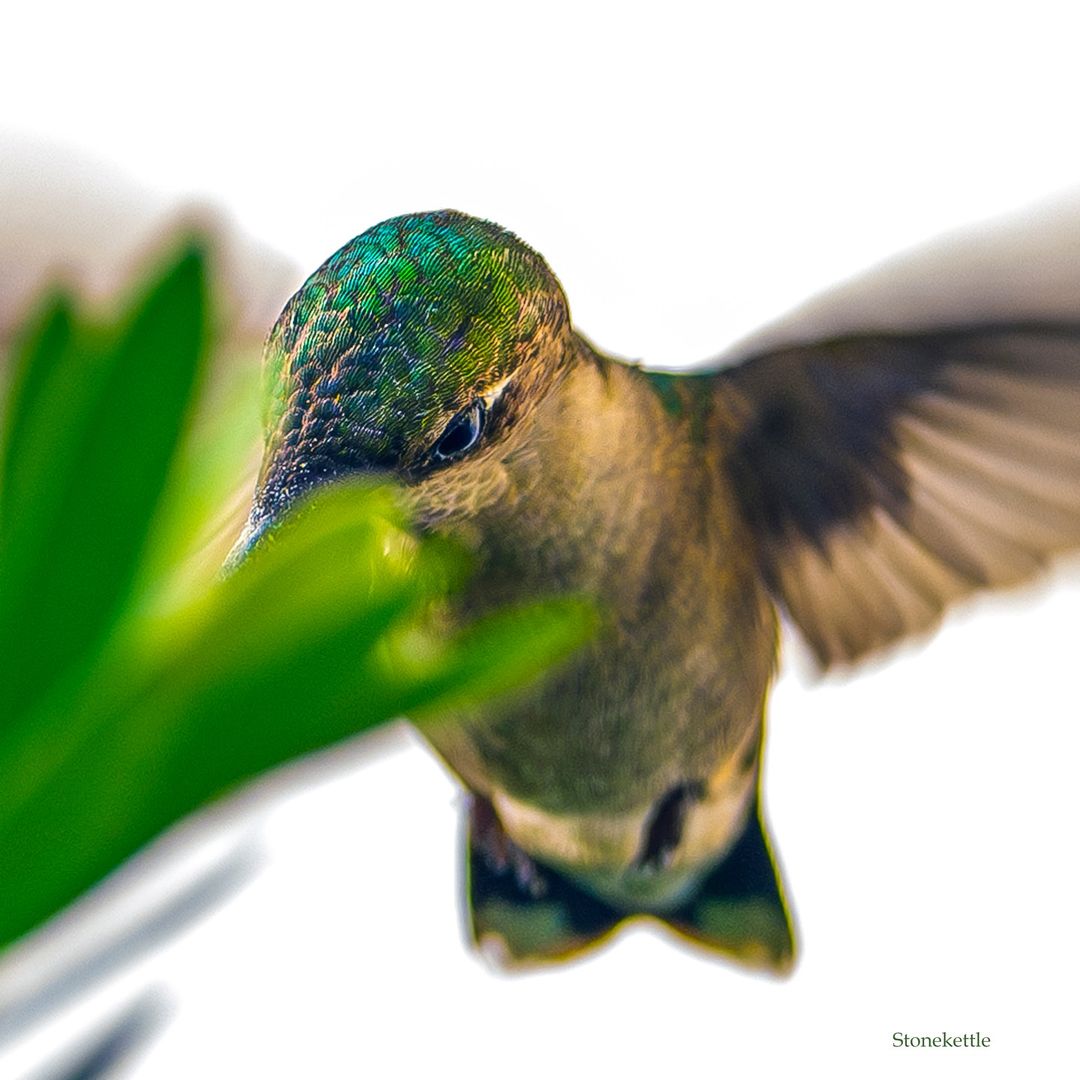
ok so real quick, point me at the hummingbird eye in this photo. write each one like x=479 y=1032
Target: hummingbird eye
x=461 y=434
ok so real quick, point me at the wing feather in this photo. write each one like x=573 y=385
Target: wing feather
x=886 y=477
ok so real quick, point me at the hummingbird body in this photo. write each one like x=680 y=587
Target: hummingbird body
x=860 y=485
x=623 y=512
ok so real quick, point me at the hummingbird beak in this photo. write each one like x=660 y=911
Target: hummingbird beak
x=275 y=496
x=252 y=532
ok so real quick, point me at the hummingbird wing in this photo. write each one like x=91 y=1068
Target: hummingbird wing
x=887 y=476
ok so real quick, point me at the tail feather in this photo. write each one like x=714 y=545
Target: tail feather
x=521 y=911
x=739 y=908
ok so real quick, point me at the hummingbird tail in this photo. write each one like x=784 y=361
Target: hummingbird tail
x=519 y=911
x=523 y=912
x=739 y=908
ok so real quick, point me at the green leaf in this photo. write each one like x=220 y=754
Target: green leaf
x=35 y=359
x=262 y=676
x=94 y=424
x=323 y=633
x=208 y=493
x=497 y=654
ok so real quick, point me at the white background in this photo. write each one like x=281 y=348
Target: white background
x=690 y=173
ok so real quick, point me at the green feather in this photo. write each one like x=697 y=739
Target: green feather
x=399 y=329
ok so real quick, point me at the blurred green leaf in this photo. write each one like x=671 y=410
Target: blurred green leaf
x=37 y=355
x=496 y=654
x=139 y=691
x=94 y=426
x=209 y=489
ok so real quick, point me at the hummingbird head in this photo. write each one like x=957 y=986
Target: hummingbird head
x=413 y=351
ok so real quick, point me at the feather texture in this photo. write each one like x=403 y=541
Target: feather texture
x=886 y=477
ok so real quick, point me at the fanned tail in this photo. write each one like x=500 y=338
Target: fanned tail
x=522 y=912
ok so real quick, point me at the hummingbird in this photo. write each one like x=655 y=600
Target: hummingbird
x=855 y=487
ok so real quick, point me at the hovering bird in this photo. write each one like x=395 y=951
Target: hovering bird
x=858 y=485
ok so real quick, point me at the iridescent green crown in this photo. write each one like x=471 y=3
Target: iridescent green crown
x=395 y=333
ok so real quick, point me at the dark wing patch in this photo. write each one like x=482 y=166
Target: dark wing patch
x=886 y=476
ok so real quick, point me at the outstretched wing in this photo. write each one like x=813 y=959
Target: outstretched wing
x=886 y=476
